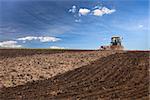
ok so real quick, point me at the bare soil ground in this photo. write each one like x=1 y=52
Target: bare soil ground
x=6 y=53
x=18 y=68
x=102 y=75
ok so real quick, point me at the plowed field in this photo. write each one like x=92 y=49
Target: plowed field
x=121 y=76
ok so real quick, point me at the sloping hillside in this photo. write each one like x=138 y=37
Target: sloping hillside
x=118 y=76
x=18 y=70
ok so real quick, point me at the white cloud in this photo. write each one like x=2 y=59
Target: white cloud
x=95 y=11
x=78 y=20
x=29 y=38
x=108 y=11
x=140 y=26
x=56 y=47
x=98 y=12
x=48 y=39
x=84 y=11
x=104 y=10
x=41 y=39
x=9 y=44
x=73 y=9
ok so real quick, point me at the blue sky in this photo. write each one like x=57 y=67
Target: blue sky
x=76 y=24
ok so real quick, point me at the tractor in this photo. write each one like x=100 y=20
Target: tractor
x=115 y=44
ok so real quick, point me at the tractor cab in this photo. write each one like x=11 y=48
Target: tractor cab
x=115 y=41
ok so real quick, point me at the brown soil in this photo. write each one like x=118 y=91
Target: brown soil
x=18 y=70
x=117 y=76
x=7 y=53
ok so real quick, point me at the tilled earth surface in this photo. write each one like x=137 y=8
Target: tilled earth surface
x=120 y=76
x=18 y=70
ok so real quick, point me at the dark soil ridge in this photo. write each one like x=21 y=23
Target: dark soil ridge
x=118 y=76
x=6 y=53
